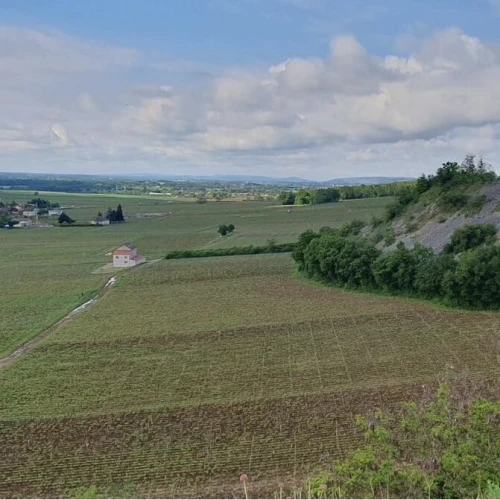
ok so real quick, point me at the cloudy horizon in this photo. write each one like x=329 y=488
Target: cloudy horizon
x=310 y=92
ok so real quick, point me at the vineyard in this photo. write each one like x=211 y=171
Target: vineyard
x=193 y=372
x=47 y=272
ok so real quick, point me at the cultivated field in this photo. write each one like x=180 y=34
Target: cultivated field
x=46 y=272
x=192 y=372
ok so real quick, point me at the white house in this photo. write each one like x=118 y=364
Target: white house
x=30 y=211
x=23 y=223
x=56 y=213
x=100 y=221
x=126 y=256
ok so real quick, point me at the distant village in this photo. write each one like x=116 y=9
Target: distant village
x=43 y=213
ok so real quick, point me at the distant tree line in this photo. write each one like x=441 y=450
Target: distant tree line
x=334 y=194
x=465 y=274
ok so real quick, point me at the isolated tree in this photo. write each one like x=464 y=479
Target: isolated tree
x=230 y=228
x=99 y=214
x=468 y=164
x=64 y=218
x=222 y=230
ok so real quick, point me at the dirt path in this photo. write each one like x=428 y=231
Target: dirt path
x=29 y=346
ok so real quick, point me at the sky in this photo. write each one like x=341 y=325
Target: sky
x=311 y=88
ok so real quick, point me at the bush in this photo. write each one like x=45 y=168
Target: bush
x=442 y=448
x=471 y=236
x=476 y=281
x=352 y=228
x=473 y=281
x=452 y=201
x=475 y=205
x=223 y=252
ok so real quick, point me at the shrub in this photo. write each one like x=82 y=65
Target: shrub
x=442 y=448
x=223 y=252
x=475 y=205
x=451 y=201
x=471 y=236
x=475 y=282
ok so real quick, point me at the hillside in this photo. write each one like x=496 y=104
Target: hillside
x=432 y=213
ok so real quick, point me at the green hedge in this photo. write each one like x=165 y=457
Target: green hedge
x=222 y=252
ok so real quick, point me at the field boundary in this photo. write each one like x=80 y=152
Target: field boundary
x=31 y=344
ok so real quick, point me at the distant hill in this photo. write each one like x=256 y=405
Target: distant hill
x=356 y=181
x=289 y=181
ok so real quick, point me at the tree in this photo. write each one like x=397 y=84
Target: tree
x=119 y=213
x=287 y=198
x=64 y=218
x=222 y=230
x=230 y=228
x=468 y=164
x=99 y=214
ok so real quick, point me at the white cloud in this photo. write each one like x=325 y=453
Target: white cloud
x=60 y=134
x=66 y=100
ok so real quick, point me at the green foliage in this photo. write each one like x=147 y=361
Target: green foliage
x=115 y=215
x=445 y=448
x=389 y=236
x=65 y=219
x=448 y=188
x=475 y=282
x=43 y=204
x=287 y=198
x=92 y=492
x=492 y=490
x=344 y=259
x=341 y=261
x=452 y=201
x=475 y=205
x=223 y=229
x=352 y=228
x=471 y=236
x=303 y=197
x=328 y=195
x=271 y=247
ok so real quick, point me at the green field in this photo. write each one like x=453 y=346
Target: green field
x=192 y=372
x=46 y=272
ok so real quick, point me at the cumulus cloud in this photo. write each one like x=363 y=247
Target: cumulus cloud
x=438 y=102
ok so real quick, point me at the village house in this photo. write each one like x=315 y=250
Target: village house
x=100 y=221
x=55 y=213
x=126 y=256
x=30 y=211
x=23 y=223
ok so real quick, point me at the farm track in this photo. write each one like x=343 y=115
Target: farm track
x=30 y=345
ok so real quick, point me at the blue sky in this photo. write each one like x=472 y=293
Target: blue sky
x=317 y=88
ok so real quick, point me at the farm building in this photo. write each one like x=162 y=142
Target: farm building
x=100 y=221
x=30 y=211
x=55 y=213
x=23 y=223
x=126 y=256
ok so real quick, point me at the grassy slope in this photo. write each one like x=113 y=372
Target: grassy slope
x=47 y=272
x=199 y=370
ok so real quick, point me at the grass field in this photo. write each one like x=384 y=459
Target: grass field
x=46 y=272
x=192 y=372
